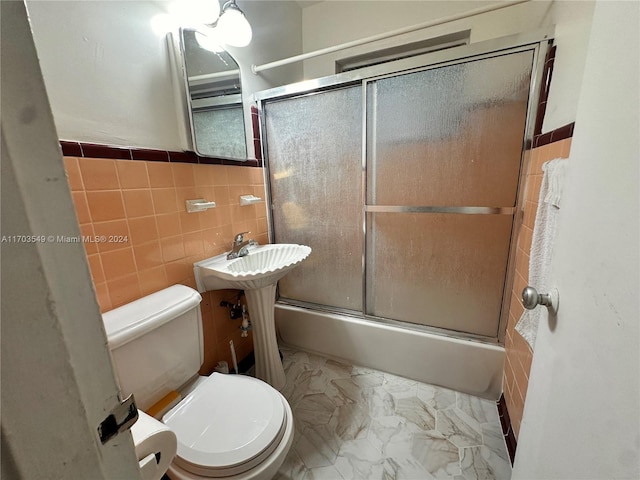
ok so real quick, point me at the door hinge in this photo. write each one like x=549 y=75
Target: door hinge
x=121 y=418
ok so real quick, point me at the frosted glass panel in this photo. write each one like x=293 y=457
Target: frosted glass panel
x=450 y=136
x=441 y=270
x=220 y=132
x=315 y=155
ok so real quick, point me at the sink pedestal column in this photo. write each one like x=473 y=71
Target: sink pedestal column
x=261 y=308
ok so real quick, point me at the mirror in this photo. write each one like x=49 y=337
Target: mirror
x=214 y=99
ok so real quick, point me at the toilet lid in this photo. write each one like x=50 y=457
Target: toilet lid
x=226 y=421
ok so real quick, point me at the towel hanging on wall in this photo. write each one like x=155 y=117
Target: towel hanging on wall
x=544 y=234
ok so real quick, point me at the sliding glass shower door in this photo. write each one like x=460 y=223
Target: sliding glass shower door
x=315 y=156
x=405 y=186
x=443 y=162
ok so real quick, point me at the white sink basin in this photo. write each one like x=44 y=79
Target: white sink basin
x=263 y=266
x=256 y=274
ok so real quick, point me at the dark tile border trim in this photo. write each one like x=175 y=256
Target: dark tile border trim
x=540 y=139
x=554 y=135
x=95 y=150
x=255 y=123
x=150 y=155
x=71 y=149
x=507 y=430
x=547 y=73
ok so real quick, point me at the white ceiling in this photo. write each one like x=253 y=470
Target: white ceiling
x=307 y=3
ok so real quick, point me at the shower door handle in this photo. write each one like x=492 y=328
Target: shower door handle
x=531 y=299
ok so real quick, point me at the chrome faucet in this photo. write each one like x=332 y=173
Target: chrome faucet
x=239 y=247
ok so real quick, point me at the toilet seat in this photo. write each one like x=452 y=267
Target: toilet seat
x=228 y=425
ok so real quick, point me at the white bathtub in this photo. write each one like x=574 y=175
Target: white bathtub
x=462 y=365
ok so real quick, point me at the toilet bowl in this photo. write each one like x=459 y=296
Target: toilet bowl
x=227 y=426
x=232 y=427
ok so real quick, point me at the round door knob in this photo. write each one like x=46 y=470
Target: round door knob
x=531 y=299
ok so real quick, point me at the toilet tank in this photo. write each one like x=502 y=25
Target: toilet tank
x=156 y=343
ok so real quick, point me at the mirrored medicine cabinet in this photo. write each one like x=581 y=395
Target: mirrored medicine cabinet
x=214 y=99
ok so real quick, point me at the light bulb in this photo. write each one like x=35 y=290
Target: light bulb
x=234 y=27
x=209 y=40
x=195 y=12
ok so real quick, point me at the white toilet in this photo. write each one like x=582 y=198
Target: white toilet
x=227 y=426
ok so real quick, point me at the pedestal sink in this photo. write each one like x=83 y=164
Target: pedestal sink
x=257 y=274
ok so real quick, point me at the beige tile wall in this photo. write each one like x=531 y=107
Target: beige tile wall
x=141 y=205
x=152 y=242
x=519 y=355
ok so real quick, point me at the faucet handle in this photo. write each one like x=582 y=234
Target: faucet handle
x=239 y=238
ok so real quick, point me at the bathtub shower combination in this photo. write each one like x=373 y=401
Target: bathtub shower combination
x=404 y=179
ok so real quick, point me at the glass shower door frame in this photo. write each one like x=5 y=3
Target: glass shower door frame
x=535 y=41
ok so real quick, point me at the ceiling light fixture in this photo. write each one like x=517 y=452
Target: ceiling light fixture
x=233 y=26
x=192 y=13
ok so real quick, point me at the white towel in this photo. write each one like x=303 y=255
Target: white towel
x=544 y=234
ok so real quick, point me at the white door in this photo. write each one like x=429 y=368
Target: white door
x=581 y=417
x=57 y=380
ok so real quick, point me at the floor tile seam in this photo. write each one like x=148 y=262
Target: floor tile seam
x=483 y=441
x=498 y=433
x=479 y=446
x=464 y=421
x=415 y=394
x=314 y=477
x=504 y=444
x=464 y=437
x=461 y=449
x=380 y=416
x=448 y=409
x=475 y=446
x=455 y=433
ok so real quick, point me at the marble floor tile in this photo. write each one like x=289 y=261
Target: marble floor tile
x=437 y=455
x=459 y=428
x=396 y=467
x=417 y=412
x=356 y=370
x=381 y=403
x=316 y=447
x=360 y=459
x=393 y=429
x=367 y=380
x=480 y=463
x=493 y=438
x=333 y=369
x=354 y=422
x=314 y=409
x=438 y=397
x=484 y=411
x=324 y=473
x=349 y=390
x=292 y=468
x=399 y=387
x=351 y=421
